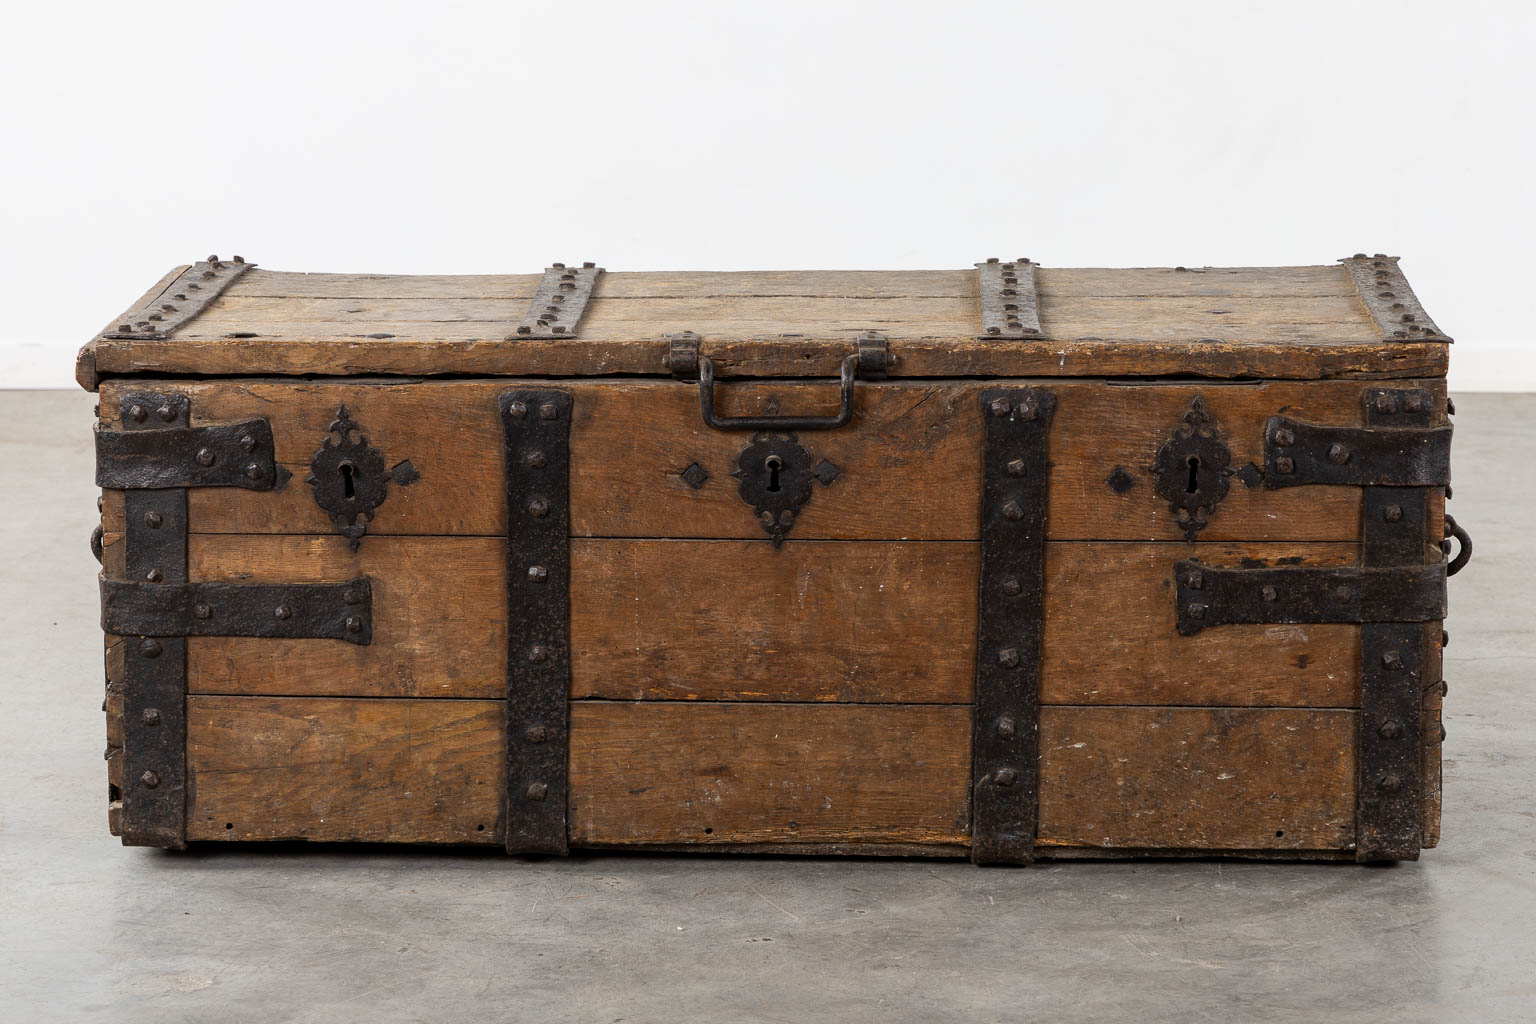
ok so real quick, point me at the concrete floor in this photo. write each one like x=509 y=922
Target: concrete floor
x=92 y=931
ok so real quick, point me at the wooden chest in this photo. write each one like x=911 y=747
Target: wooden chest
x=1006 y=562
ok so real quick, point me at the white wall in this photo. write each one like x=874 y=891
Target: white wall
x=478 y=137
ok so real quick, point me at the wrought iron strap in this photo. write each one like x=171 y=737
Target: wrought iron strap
x=1010 y=611
x=1009 y=308
x=1390 y=300
x=1298 y=453
x=1211 y=595
x=1388 y=753
x=151 y=454
x=562 y=298
x=340 y=611
x=154 y=671
x=191 y=293
x=536 y=450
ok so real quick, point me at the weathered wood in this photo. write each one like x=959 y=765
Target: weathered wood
x=737 y=620
x=402 y=771
x=1197 y=778
x=743 y=773
x=439 y=618
x=910 y=463
x=1283 y=322
x=1110 y=634
x=707 y=774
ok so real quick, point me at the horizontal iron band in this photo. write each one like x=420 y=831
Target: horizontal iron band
x=220 y=455
x=337 y=611
x=1298 y=453
x=1218 y=596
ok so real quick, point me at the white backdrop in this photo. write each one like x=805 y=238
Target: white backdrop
x=496 y=137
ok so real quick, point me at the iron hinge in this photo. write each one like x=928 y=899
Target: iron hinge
x=1211 y=595
x=160 y=458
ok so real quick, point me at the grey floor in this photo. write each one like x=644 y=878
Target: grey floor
x=90 y=930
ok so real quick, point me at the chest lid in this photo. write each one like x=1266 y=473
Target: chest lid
x=1002 y=318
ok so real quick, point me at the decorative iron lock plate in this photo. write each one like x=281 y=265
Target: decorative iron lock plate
x=775 y=473
x=348 y=476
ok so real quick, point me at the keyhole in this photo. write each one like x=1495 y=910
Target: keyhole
x=347 y=488
x=773 y=464
x=1194 y=472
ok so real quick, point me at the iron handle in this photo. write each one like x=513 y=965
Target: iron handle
x=1463 y=546
x=844 y=415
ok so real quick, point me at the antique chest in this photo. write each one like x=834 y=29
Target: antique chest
x=1007 y=562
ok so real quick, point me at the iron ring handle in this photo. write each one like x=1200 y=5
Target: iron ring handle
x=841 y=419
x=1463 y=546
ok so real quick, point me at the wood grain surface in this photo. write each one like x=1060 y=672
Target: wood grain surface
x=910 y=464
x=1294 y=322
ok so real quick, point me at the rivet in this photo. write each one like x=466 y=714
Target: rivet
x=354 y=624
x=524 y=329
x=549 y=410
x=1284 y=437
x=1270 y=594
x=1012 y=588
x=1342 y=595
x=137 y=413
x=151 y=648
x=1386 y=402
x=1005 y=727
x=150 y=779
x=538 y=573
x=994 y=330
x=253 y=471
x=202 y=611
x=1392 y=660
x=518 y=409
x=154 y=576
x=1389 y=730
x=1016 y=467
x=1008 y=656
x=166 y=413
x=1000 y=407
x=282 y=611
x=1413 y=402
x=538 y=654
x=1445 y=639
x=1392 y=513
x=1442 y=732
x=1027 y=410
x=1005 y=776
x=1338 y=454
x=152 y=520
x=247 y=443
x=537 y=791
x=538 y=508
x=536 y=734
x=205 y=457
x=1445 y=687
x=536 y=459
x=352 y=597
x=1195 y=580
x=1013 y=511
x=1390 y=782
x=1285 y=464
x=1195 y=611
x=151 y=716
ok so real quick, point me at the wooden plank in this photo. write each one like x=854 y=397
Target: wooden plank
x=910 y=463
x=737 y=620
x=1197 y=778
x=402 y=771
x=439 y=618
x=1110 y=636
x=707 y=774
x=710 y=774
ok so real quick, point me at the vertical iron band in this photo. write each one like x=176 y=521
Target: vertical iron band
x=1005 y=750
x=536 y=428
x=154 y=684
x=1388 y=764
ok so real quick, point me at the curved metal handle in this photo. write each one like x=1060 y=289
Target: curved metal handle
x=844 y=414
x=1463 y=546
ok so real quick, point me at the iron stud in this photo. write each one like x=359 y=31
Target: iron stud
x=1338 y=454
x=137 y=413
x=154 y=576
x=1195 y=611
x=202 y=611
x=151 y=779
x=152 y=520
x=1270 y=594
x=538 y=508
x=354 y=624
x=1195 y=580
x=549 y=410
x=282 y=611
x=536 y=734
x=1016 y=467
x=151 y=648
x=536 y=459
x=1000 y=407
x=1390 y=782
x=253 y=471
x=518 y=409
x=1389 y=730
x=538 y=654
x=247 y=443
x=1013 y=511
x=1005 y=727
x=537 y=791
x=166 y=413
x=1005 y=776
x=1012 y=587
x=537 y=573
x=1008 y=656
x=1285 y=464
x=1392 y=661
x=205 y=457
x=1392 y=513
x=151 y=716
